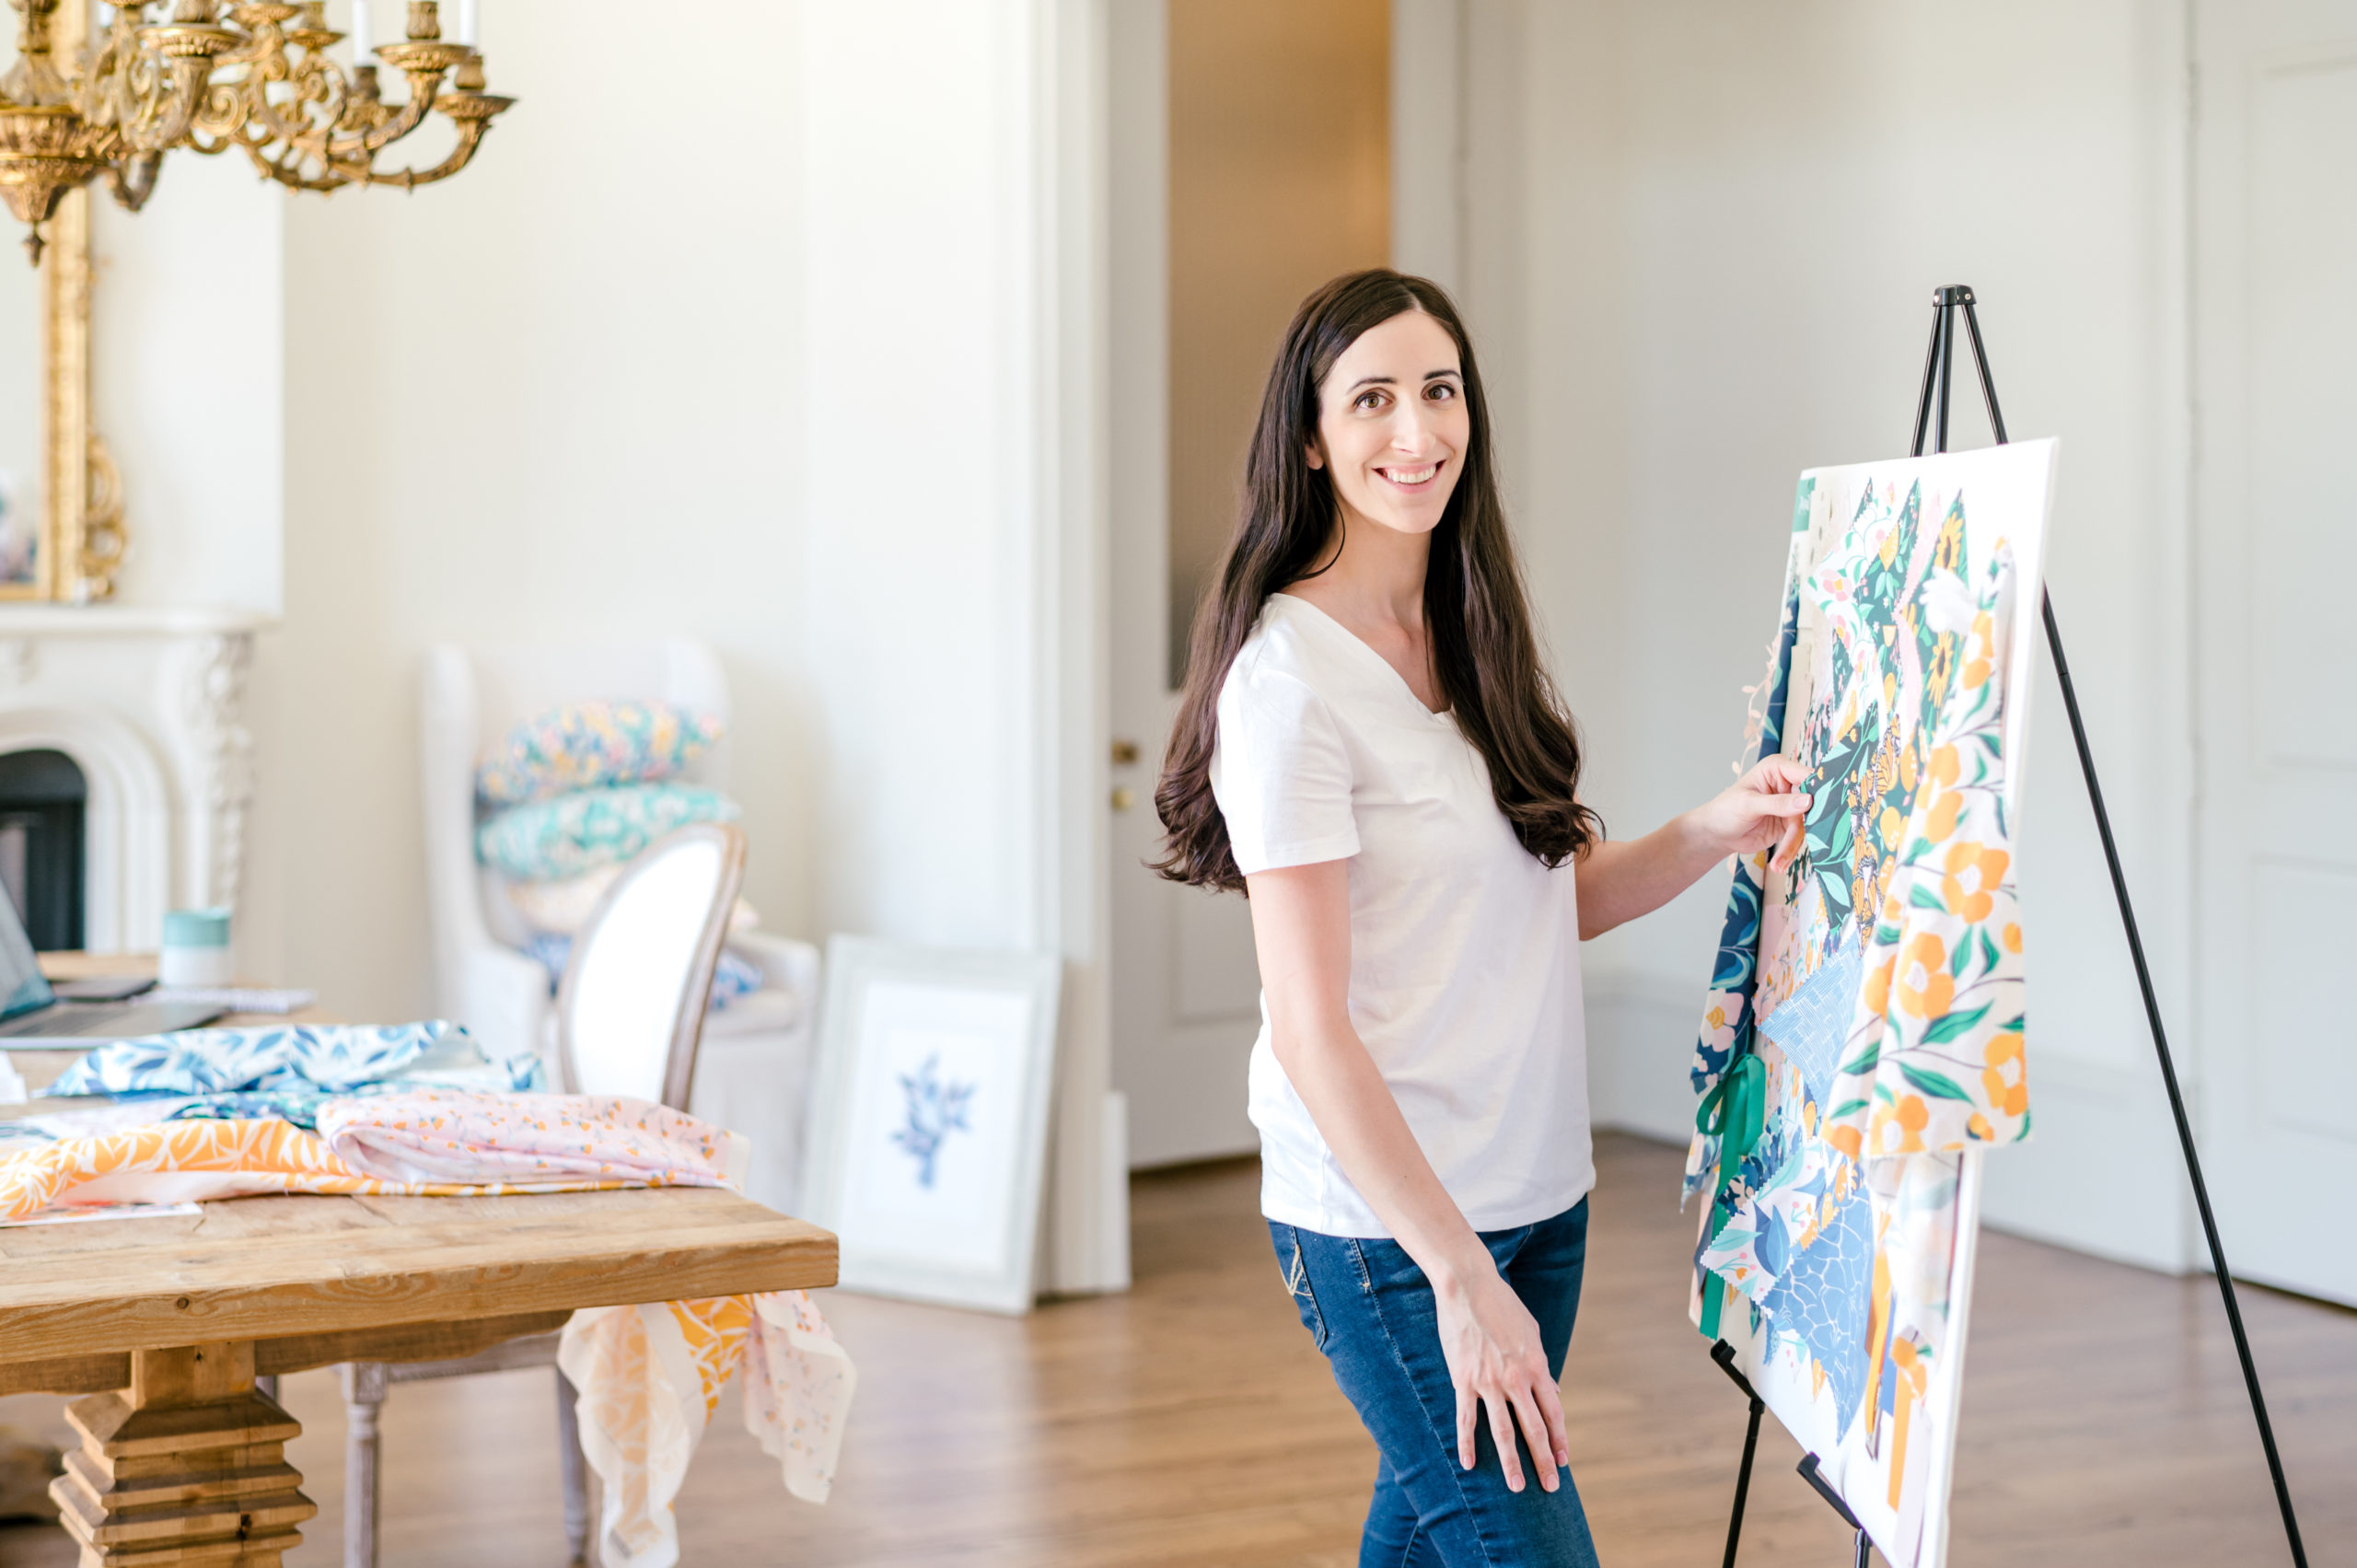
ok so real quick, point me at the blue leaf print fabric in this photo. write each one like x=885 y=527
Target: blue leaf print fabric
x=286 y=1071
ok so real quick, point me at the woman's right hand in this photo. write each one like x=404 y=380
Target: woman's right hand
x=1497 y=1364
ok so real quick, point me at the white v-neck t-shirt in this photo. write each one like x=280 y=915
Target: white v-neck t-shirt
x=1465 y=963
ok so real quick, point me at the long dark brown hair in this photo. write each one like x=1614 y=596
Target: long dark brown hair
x=1484 y=654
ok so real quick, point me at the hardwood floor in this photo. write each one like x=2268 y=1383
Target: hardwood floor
x=1190 y=1424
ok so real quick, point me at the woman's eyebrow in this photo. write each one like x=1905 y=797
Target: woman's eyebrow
x=1393 y=380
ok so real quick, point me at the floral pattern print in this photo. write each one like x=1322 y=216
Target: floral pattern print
x=1875 y=972
x=649 y=1376
x=573 y=835
x=591 y=746
x=325 y=1059
x=419 y=1143
x=650 y=1379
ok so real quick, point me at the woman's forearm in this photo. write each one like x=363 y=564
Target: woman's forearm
x=1360 y=1120
x=1620 y=881
x=1301 y=928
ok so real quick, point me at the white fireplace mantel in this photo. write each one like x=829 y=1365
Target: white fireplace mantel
x=150 y=702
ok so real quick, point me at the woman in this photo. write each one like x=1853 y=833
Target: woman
x=1368 y=746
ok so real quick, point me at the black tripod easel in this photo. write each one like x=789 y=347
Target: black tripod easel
x=1932 y=419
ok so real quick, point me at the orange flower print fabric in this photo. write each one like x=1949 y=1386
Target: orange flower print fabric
x=1942 y=995
x=425 y=1144
x=648 y=1376
x=1869 y=985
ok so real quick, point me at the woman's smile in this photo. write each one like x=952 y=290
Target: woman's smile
x=1414 y=481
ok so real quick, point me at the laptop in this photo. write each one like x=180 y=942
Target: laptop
x=32 y=1017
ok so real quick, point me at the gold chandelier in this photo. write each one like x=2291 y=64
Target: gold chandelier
x=209 y=82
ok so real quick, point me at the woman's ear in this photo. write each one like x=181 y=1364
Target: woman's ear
x=1316 y=459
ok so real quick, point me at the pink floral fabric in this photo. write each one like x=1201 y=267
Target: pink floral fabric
x=648 y=1376
x=530 y=1142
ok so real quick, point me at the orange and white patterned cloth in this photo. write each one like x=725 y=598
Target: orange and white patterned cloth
x=650 y=1379
x=649 y=1376
x=427 y=1143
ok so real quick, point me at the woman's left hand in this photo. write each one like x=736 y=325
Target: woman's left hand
x=1761 y=808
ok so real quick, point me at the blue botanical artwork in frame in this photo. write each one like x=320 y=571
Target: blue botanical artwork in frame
x=933 y=1108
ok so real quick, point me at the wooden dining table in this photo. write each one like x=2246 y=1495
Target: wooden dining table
x=164 y=1323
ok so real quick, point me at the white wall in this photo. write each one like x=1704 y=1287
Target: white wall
x=554 y=399
x=1701 y=245
x=776 y=368
x=187 y=382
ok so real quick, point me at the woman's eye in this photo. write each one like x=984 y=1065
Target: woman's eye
x=1440 y=391
x=1371 y=400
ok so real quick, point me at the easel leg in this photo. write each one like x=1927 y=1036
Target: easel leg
x=1865 y=1551
x=2177 y=1096
x=1743 y=1479
x=186 y=1465
x=1938 y=366
x=1722 y=1355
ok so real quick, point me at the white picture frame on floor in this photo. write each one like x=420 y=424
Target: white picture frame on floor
x=929 y=1119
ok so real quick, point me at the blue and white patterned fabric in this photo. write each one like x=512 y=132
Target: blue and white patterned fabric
x=1813 y=1025
x=569 y=835
x=326 y=1058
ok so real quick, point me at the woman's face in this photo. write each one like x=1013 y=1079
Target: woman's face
x=1392 y=425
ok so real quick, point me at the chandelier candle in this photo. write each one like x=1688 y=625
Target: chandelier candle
x=361 y=33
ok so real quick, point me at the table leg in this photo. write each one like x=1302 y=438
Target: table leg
x=187 y=1466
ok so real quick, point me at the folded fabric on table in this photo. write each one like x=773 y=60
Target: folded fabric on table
x=421 y=1144
x=328 y=1059
x=648 y=1376
x=528 y=1141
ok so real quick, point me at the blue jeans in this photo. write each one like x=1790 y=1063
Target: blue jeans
x=1371 y=1311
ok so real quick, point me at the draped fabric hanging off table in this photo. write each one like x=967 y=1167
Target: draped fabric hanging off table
x=165 y=1321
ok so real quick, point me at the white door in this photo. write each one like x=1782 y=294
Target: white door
x=2275 y=335
x=1280 y=180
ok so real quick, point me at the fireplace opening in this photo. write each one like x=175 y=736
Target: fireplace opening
x=43 y=799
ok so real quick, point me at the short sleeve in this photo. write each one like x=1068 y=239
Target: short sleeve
x=1281 y=774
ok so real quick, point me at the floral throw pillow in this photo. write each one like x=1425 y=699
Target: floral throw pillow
x=579 y=833
x=593 y=746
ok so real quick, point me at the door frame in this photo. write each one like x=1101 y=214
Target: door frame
x=2252 y=1152
x=1428 y=101
x=1087 y=1189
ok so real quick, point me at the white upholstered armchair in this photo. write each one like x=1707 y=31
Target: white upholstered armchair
x=753 y=1073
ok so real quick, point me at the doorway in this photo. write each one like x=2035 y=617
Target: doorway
x=2274 y=245
x=1250 y=159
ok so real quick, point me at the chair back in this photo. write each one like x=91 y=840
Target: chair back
x=629 y=1010
x=472 y=696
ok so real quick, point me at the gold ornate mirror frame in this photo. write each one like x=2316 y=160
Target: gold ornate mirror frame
x=82 y=532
